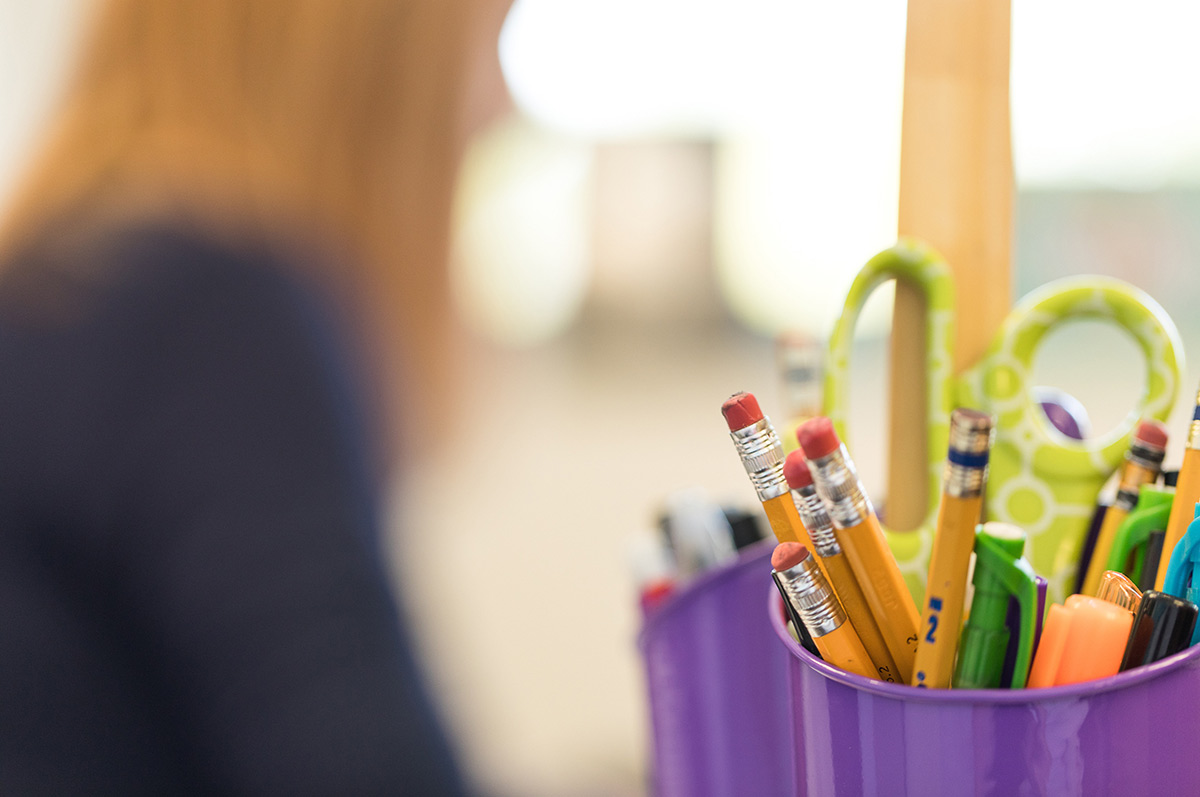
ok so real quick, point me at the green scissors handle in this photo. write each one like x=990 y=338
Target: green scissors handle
x=913 y=262
x=1039 y=479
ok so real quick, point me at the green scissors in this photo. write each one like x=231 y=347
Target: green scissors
x=1039 y=479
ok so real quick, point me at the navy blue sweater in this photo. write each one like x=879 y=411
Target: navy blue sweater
x=192 y=596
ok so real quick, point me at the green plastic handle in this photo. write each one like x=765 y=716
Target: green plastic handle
x=1038 y=479
x=917 y=264
x=1152 y=510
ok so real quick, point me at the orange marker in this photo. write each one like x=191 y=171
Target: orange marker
x=1082 y=641
x=837 y=568
x=1142 y=463
x=1187 y=493
x=859 y=534
x=812 y=599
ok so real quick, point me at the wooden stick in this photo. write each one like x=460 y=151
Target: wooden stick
x=956 y=187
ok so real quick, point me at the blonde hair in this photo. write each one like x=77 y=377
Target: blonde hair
x=263 y=119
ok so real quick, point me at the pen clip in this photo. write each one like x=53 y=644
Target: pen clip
x=1018 y=579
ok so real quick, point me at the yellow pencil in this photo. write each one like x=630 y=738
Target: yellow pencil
x=958 y=515
x=1142 y=463
x=1187 y=493
x=761 y=452
x=813 y=600
x=859 y=534
x=837 y=568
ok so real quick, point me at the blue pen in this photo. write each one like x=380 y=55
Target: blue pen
x=1183 y=572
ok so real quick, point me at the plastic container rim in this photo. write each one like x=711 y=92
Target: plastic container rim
x=1121 y=680
x=675 y=602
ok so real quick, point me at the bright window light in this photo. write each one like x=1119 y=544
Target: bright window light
x=522 y=237
x=1104 y=94
x=803 y=102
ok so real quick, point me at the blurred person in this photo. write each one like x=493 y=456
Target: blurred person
x=234 y=227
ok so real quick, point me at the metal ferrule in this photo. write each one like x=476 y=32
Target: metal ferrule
x=1148 y=458
x=815 y=518
x=1126 y=500
x=762 y=455
x=840 y=489
x=812 y=598
x=970 y=439
x=960 y=481
x=1134 y=474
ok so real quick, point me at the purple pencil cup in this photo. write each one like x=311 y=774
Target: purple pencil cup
x=1129 y=734
x=718 y=686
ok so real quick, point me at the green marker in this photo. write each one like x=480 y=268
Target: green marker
x=1152 y=511
x=1001 y=573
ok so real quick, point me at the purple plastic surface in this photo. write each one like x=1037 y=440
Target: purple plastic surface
x=1063 y=420
x=717 y=680
x=1068 y=415
x=1133 y=733
x=1042 y=586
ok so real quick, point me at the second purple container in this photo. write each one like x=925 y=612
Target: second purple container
x=717 y=682
x=1134 y=733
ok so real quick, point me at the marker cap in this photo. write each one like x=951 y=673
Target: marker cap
x=1083 y=640
x=1005 y=537
x=1001 y=574
x=1163 y=626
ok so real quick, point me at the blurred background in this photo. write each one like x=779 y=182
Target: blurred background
x=660 y=189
